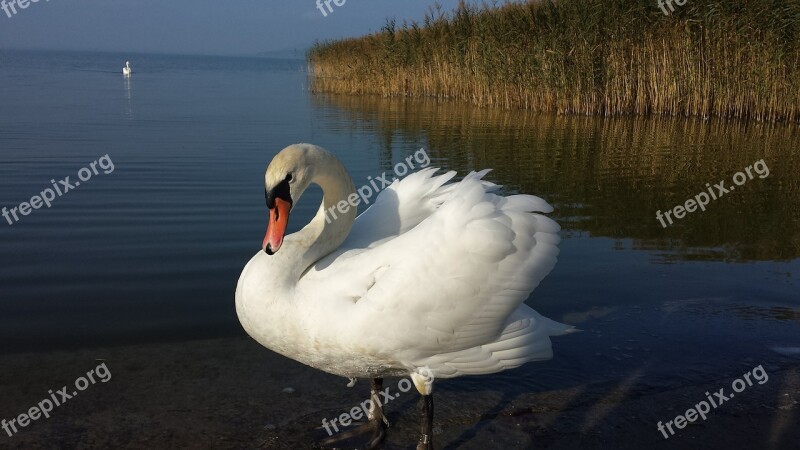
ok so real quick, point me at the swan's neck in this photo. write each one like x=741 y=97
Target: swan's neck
x=266 y=301
x=330 y=226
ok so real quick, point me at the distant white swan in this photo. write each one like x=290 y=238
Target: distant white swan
x=429 y=282
x=127 y=70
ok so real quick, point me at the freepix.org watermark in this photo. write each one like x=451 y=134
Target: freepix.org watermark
x=365 y=193
x=663 y=4
x=46 y=197
x=363 y=410
x=57 y=398
x=324 y=6
x=702 y=199
x=10 y=6
x=719 y=397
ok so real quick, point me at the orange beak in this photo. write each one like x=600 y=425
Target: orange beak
x=276 y=228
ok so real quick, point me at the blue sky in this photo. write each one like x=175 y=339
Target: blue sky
x=222 y=27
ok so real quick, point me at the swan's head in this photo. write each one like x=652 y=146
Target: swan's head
x=287 y=177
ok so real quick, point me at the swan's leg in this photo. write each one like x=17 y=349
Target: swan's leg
x=377 y=422
x=423 y=380
x=426 y=426
x=376 y=416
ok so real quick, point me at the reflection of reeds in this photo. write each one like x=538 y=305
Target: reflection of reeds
x=600 y=57
x=608 y=177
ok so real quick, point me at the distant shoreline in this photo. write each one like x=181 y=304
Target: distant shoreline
x=299 y=55
x=708 y=58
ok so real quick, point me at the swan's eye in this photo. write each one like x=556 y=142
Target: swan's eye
x=288 y=177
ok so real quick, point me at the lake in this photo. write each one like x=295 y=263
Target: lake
x=151 y=251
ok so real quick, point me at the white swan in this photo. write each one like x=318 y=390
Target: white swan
x=127 y=70
x=427 y=282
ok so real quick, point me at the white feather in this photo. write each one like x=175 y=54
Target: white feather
x=434 y=274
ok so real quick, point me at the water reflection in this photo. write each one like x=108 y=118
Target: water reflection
x=719 y=306
x=608 y=177
x=128 y=98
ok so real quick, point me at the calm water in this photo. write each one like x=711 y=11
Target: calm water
x=153 y=250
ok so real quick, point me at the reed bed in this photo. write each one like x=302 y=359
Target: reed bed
x=595 y=57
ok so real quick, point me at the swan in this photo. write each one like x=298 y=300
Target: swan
x=429 y=282
x=127 y=70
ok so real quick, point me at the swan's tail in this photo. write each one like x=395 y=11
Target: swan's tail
x=526 y=338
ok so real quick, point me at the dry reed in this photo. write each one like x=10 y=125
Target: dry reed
x=595 y=57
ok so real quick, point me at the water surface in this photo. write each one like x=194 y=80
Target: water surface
x=153 y=250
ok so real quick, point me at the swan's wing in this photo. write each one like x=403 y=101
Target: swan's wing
x=451 y=282
x=402 y=206
x=526 y=338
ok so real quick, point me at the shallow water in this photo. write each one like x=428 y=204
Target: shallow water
x=152 y=251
